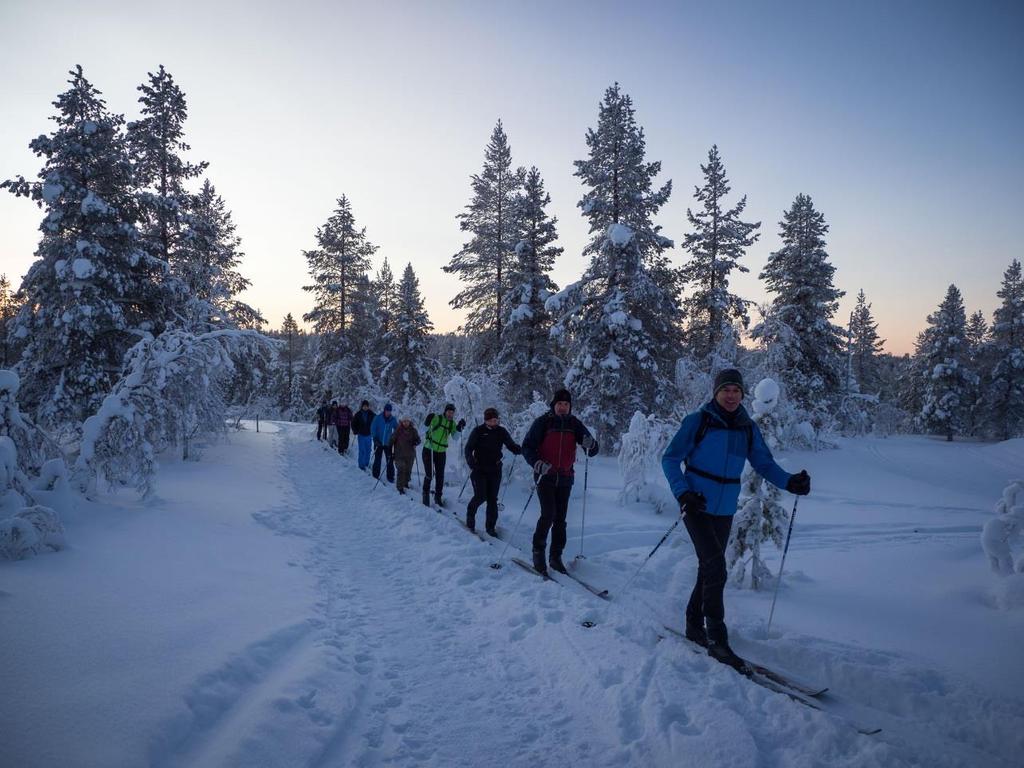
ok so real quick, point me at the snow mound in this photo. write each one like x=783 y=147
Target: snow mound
x=620 y=235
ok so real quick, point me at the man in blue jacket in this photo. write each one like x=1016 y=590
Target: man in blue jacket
x=715 y=443
x=383 y=426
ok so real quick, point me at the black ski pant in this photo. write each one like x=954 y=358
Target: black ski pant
x=386 y=452
x=321 y=429
x=486 y=482
x=553 y=493
x=343 y=435
x=433 y=467
x=710 y=536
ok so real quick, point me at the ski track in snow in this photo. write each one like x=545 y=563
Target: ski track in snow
x=418 y=653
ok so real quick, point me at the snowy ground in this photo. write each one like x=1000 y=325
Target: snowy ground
x=268 y=608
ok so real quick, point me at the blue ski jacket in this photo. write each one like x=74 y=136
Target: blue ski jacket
x=715 y=454
x=382 y=427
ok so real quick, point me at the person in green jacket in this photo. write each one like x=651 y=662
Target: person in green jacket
x=435 y=445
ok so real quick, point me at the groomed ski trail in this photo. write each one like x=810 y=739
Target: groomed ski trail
x=418 y=653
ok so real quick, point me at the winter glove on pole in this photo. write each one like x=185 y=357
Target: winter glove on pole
x=692 y=503
x=800 y=483
x=460 y=425
x=541 y=467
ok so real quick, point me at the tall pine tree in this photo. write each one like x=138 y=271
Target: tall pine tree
x=1005 y=415
x=528 y=359
x=947 y=378
x=336 y=266
x=799 y=274
x=865 y=347
x=93 y=289
x=718 y=241
x=485 y=261
x=411 y=373
x=206 y=261
x=620 y=323
x=156 y=142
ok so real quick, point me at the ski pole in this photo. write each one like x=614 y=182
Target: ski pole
x=508 y=544
x=508 y=479
x=583 y=521
x=785 y=549
x=657 y=546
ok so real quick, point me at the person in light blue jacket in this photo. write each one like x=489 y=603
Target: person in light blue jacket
x=383 y=426
x=715 y=443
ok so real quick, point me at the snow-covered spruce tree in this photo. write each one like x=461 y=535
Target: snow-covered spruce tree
x=998 y=533
x=207 y=263
x=410 y=375
x=528 y=360
x=93 y=288
x=620 y=323
x=800 y=276
x=358 y=352
x=10 y=303
x=1005 y=416
x=760 y=516
x=156 y=143
x=486 y=260
x=947 y=380
x=978 y=361
x=718 y=241
x=171 y=392
x=865 y=346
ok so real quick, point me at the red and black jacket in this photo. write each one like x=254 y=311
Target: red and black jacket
x=553 y=439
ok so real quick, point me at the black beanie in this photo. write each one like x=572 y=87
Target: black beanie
x=449 y=407
x=365 y=402
x=561 y=395
x=729 y=376
x=490 y=413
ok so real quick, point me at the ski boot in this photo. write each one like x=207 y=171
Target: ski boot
x=721 y=652
x=696 y=633
x=438 y=500
x=555 y=561
x=471 y=521
x=492 y=531
x=426 y=498
x=538 y=561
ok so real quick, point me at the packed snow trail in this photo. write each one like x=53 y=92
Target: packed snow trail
x=418 y=653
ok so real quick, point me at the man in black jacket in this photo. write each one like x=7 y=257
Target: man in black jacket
x=483 y=455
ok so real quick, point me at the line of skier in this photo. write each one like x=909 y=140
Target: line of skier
x=549 y=448
x=713 y=444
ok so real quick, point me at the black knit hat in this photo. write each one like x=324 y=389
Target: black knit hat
x=729 y=376
x=366 y=403
x=449 y=407
x=490 y=413
x=561 y=395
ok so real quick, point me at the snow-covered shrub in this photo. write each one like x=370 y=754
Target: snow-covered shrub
x=760 y=516
x=170 y=393
x=997 y=536
x=640 y=450
x=999 y=532
x=28 y=491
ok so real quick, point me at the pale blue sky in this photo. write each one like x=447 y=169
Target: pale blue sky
x=902 y=120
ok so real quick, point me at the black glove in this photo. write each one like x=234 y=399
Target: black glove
x=589 y=445
x=377 y=443
x=692 y=503
x=426 y=421
x=799 y=484
x=460 y=425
